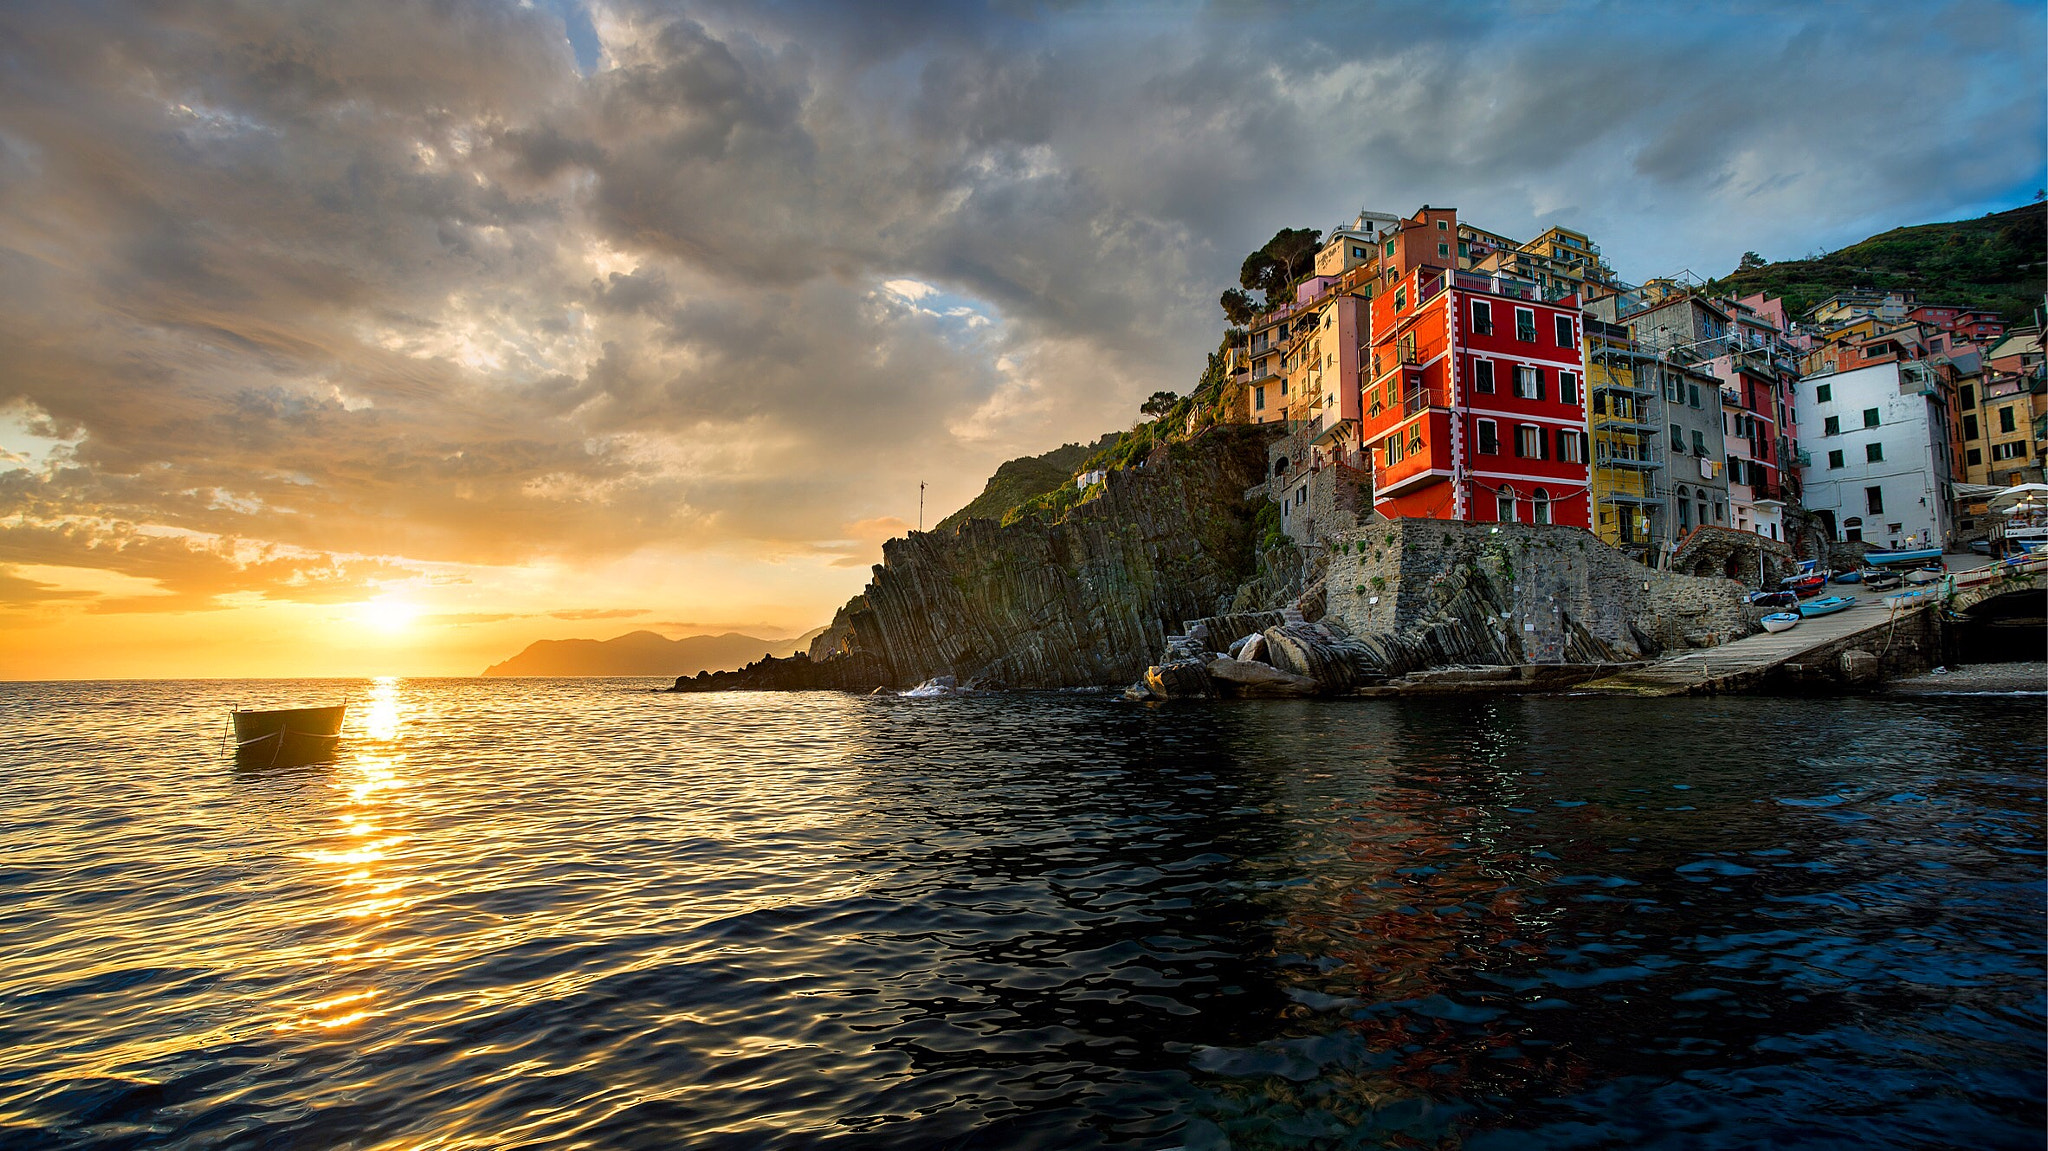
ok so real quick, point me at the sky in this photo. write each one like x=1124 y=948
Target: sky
x=385 y=338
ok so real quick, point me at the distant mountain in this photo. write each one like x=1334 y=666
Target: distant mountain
x=1991 y=262
x=645 y=653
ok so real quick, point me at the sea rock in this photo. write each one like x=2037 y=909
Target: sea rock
x=1187 y=679
x=1242 y=678
x=1082 y=602
x=1254 y=649
x=1336 y=663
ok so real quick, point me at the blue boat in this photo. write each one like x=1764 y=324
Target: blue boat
x=1851 y=576
x=1826 y=606
x=1913 y=557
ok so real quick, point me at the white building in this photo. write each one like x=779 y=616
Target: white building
x=1878 y=437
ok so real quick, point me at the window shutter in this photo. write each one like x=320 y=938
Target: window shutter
x=1542 y=444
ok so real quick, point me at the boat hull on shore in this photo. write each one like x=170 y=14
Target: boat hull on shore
x=1828 y=606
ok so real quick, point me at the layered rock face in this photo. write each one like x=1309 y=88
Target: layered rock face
x=1410 y=595
x=1087 y=601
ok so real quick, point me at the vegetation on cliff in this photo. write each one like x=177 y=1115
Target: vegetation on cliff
x=1026 y=478
x=1992 y=262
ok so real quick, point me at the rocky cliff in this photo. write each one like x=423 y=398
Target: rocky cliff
x=1086 y=601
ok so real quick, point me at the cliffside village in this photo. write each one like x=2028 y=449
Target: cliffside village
x=1429 y=368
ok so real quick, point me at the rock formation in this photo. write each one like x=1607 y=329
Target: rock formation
x=1086 y=601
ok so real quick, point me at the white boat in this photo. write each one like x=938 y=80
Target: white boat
x=1781 y=621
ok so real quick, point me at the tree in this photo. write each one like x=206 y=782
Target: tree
x=1159 y=404
x=1285 y=259
x=1750 y=262
x=1238 y=307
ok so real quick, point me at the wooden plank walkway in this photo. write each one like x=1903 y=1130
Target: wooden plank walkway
x=1708 y=669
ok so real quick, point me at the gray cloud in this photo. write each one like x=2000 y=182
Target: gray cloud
x=424 y=282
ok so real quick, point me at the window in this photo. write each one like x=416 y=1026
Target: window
x=1976 y=456
x=2010 y=450
x=1677 y=438
x=1736 y=470
x=1525 y=325
x=1394 y=450
x=1529 y=442
x=1835 y=460
x=1684 y=509
x=1699 y=443
x=1692 y=395
x=1529 y=382
x=1539 y=503
x=1400 y=297
x=1504 y=506
x=1567 y=387
x=1822 y=393
x=1970 y=427
x=1873 y=500
x=1357 y=253
x=1870 y=417
x=1571 y=446
x=1390 y=251
x=1259 y=397
x=2005 y=423
x=1832 y=426
x=1489 y=438
x=1482 y=318
x=1564 y=331
x=1443 y=249
x=1443 y=225
x=1968 y=395
x=1482 y=376
x=1873 y=453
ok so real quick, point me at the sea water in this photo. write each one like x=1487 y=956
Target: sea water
x=576 y=913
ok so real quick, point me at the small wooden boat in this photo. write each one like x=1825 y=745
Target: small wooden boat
x=1879 y=579
x=287 y=735
x=1781 y=621
x=1853 y=575
x=1905 y=599
x=1921 y=577
x=1827 y=606
x=1772 y=599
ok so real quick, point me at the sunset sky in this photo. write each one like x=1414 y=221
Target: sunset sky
x=364 y=338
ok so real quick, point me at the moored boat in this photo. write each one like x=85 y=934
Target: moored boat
x=1879 y=579
x=1772 y=599
x=287 y=735
x=1828 y=605
x=1853 y=575
x=1917 y=556
x=1905 y=599
x=1923 y=576
x=1781 y=621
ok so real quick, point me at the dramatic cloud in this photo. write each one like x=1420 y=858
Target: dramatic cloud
x=302 y=300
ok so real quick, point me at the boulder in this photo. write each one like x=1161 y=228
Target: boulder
x=1336 y=663
x=1248 y=680
x=1254 y=650
x=1183 y=679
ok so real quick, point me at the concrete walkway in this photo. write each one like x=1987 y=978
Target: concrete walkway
x=1710 y=669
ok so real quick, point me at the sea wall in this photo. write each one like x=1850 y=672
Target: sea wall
x=1086 y=601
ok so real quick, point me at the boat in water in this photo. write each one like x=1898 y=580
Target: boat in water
x=1781 y=621
x=1828 y=605
x=292 y=735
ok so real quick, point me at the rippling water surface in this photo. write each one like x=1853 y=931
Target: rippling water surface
x=575 y=914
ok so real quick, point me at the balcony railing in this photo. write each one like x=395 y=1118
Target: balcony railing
x=1414 y=402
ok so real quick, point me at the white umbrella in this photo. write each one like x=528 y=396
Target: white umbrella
x=2020 y=498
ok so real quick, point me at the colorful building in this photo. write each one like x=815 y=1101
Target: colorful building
x=1473 y=404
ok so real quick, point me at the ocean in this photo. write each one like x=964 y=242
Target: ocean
x=578 y=913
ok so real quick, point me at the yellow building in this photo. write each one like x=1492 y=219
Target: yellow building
x=1627 y=499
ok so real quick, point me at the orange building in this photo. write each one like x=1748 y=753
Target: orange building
x=1473 y=401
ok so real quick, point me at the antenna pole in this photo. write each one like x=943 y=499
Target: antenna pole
x=920 y=505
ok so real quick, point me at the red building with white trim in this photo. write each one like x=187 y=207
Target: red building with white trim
x=1473 y=395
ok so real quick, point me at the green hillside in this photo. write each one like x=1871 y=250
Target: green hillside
x=1992 y=262
x=1023 y=479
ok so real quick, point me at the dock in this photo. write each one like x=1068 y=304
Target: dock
x=1869 y=626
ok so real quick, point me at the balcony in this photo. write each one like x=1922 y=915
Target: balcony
x=1610 y=422
x=1642 y=462
x=1414 y=402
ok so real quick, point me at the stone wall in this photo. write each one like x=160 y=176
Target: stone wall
x=1447 y=592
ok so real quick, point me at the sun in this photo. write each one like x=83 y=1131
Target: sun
x=390 y=616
